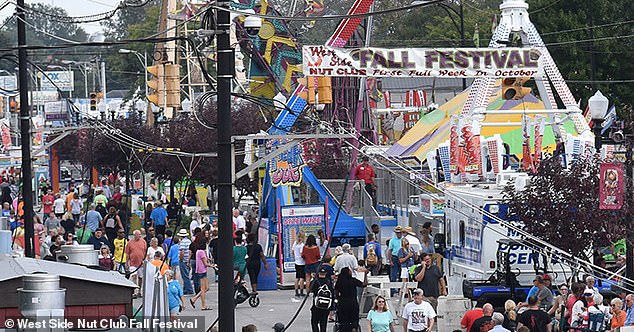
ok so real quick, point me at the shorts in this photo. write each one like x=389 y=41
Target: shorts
x=300 y=271
x=201 y=275
x=312 y=268
x=175 y=269
x=133 y=271
x=174 y=311
x=405 y=273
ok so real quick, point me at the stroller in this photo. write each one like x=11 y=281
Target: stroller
x=241 y=294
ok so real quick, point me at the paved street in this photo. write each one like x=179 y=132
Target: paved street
x=275 y=306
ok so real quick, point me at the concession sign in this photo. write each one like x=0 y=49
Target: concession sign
x=420 y=62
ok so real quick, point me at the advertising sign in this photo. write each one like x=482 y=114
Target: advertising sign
x=323 y=60
x=55 y=111
x=52 y=80
x=296 y=218
x=286 y=169
x=432 y=206
x=611 y=186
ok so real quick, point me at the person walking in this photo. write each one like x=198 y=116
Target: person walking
x=346 y=295
x=366 y=173
x=75 y=207
x=174 y=295
x=498 y=321
x=183 y=247
x=392 y=256
x=202 y=263
x=372 y=255
x=379 y=317
x=111 y=223
x=120 y=258
x=418 y=315
x=534 y=318
x=430 y=280
x=322 y=242
x=256 y=255
x=59 y=206
x=300 y=264
x=135 y=249
x=311 y=256
x=240 y=257
x=406 y=257
x=323 y=300
x=105 y=259
x=158 y=218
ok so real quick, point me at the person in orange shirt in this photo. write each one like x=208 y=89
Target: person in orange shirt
x=158 y=262
x=69 y=198
x=618 y=314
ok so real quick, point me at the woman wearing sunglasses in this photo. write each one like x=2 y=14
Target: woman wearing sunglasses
x=618 y=314
x=380 y=318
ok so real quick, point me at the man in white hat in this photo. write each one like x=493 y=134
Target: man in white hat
x=418 y=315
x=183 y=247
x=414 y=242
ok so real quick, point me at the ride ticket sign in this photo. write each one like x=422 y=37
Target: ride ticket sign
x=421 y=62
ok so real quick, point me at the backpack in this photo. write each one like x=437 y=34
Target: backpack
x=323 y=298
x=371 y=258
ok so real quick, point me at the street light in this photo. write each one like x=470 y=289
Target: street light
x=598 y=105
x=142 y=58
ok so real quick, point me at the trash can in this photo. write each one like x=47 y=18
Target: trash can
x=267 y=280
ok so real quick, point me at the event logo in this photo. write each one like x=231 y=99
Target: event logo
x=286 y=169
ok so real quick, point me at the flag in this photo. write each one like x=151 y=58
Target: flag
x=609 y=119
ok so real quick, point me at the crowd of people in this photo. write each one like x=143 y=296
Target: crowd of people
x=579 y=307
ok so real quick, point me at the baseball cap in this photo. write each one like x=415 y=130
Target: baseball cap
x=418 y=291
x=322 y=270
x=546 y=277
x=278 y=327
x=588 y=292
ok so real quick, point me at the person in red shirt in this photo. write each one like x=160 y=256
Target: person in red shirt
x=470 y=317
x=366 y=173
x=47 y=204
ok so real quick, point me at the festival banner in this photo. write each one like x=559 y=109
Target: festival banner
x=321 y=60
x=296 y=218
x=611 y=186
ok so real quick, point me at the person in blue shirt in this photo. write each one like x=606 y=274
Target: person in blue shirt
x=392 y=256
x=629 y=313
x=158 y=217
x=374 y=268
x=93 y=218
x=173 y=256
x=174 y=295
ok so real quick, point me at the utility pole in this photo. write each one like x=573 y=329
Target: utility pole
x=225 y=70
x=25 y=132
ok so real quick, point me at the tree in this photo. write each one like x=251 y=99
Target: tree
x=564 y=26
x=560 y=206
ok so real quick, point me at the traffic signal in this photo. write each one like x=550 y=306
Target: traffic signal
x=319 y=90
x=94 y=96
x=14 y=106
x=324 y=88
x=157 y=84
x=165 y=84
x=513 y=89
x=173 y=85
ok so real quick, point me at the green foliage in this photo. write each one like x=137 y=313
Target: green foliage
x=125 y=71
x=564 y=28
x=560 y=206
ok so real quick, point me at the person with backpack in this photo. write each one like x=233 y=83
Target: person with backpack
x=111 y=223
x=323 y=299
x=372 y=255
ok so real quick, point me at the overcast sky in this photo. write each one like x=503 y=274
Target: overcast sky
x=74 y=8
